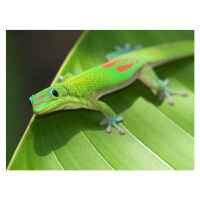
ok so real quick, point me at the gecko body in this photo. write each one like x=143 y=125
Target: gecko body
x=123 y=67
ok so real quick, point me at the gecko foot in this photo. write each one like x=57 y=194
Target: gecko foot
x=65 y=77
x=166 y=92
x=127 y=47
x=60 y=77
x=122 y=50
x=112 y=122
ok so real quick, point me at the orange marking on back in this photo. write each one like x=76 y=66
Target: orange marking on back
x=123 y=68
x=137 y=61
x=125 y=59
x=40 y=97
x=110 y=64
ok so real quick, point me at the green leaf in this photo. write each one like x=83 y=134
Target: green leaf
x=158 y=136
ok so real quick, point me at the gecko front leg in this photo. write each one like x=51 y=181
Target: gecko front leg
x=111 y=118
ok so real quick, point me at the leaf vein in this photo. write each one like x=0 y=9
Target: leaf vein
x=56 y=157
x=96 y=149
x=173 y=122
x=146 y=147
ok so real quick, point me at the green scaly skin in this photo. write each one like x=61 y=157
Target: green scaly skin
x=84 y=90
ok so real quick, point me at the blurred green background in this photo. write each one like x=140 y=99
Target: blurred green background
x=32 y=61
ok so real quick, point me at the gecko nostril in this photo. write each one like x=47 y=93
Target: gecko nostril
x=30 y=101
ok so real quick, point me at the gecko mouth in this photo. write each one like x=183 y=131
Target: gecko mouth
x=44 y=111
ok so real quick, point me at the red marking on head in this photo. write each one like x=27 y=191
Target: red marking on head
x=36 y=104
x=40 y=97
x=137 y=61
x=123 y=68
x=110 y=64
x=125 y=59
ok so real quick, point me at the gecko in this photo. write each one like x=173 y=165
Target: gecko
x=123 y=67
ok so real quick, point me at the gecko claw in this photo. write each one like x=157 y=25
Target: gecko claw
x=112 y=122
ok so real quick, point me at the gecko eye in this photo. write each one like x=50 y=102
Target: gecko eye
x=30 y=101
x=54 y=92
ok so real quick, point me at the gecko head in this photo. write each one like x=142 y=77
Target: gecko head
x=48 y=100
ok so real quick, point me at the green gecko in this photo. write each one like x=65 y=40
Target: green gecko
x=124 y=66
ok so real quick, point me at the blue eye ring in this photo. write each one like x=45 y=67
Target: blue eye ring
x=53 y=92
x=30 y=100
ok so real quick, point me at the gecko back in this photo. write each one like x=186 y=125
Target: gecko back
x=122 y=71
